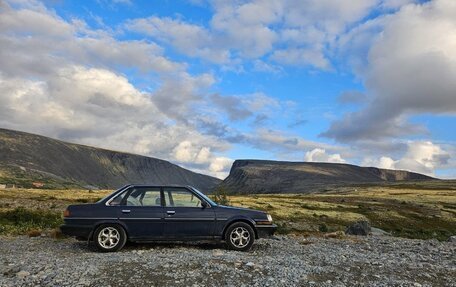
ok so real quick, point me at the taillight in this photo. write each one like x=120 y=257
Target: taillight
x=66 y=213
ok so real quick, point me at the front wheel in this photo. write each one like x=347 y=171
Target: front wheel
x=240 y=236
x=109 y=238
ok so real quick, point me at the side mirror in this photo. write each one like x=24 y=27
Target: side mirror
x=203 y=204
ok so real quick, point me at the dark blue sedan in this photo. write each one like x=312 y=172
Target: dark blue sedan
x=142 y=213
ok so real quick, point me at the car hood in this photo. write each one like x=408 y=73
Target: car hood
x=241 y=209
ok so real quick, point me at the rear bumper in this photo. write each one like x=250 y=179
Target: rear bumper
x=265 y=231
x=76 y=230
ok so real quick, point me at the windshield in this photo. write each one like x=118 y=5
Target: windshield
x=204 y=197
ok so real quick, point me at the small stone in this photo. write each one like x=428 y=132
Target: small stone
x=22 y=274
x=452 y=239
x=416 y=284
x=250 y=264
x=217 y=252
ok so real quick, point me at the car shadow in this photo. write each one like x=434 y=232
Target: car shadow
x=172 y=245
x=136 y=246
x=157 y=245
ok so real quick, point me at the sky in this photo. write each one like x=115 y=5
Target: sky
x=203 y=83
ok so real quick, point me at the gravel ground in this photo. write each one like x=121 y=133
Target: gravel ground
x=283 y=261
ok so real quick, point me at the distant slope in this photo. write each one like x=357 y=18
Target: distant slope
x=27 y=158
x=263 y=176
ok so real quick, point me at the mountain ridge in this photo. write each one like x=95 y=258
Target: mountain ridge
x=26 y=158
x=268 y=176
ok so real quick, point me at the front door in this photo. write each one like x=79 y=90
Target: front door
x=186 y=216
x=141 y=211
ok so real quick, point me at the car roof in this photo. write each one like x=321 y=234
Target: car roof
x=157 y=185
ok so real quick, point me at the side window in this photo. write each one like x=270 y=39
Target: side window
x=118 y=199
x=181 y=197
x=144 y=197
x=152 y=197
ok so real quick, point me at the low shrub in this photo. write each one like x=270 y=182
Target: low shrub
x=220 y=196
x=23 y=221
x=283 y=228
x=323 y=228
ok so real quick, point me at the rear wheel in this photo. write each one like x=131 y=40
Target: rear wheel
x=240 y=236
x=109 y=238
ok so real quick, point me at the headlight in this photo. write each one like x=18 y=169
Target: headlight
x=269 y=218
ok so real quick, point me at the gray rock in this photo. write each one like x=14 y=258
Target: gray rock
x=379 y=232
x=359 y=228
x=452 y=239
x=250 y=264
x=217 y=252
x=22 y=274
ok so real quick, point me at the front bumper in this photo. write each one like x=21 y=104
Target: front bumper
x=265 y=231
x=76 y=230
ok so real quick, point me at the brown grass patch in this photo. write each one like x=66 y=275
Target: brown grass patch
x=34 y=233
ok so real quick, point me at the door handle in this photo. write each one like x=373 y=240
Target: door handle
x=171 y=212
x=125 y=210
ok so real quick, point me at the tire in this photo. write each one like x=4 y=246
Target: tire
x=109 y=238
x=239 y=236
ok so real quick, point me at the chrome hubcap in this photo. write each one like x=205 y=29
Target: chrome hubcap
x=240 y=237
x=108 y=237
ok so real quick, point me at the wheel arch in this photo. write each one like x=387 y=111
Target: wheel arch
x=239 y=219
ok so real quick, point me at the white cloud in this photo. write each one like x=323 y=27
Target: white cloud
x=320 y=155
x=410 y=69
x=220 y=166
x=421 y=156
x=261 y=66
x=97 y=107
x=301 y=57
x=393 y=4
x=60 y=79
x=188 y=153
x=286 y=146
x=352 y=97
x=290 y=32
x=35 y=41
x=242 y=107
x=189 y=39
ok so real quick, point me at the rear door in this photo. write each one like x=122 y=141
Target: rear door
x=142 y=212
x=185 y=216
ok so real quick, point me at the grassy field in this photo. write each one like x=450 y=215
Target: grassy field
x=31 y=210
x=415 y=211
x=403 y=211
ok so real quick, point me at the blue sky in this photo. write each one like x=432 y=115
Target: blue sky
x=202 y=83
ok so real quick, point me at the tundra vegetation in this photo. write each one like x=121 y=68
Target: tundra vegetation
x=413 y=210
